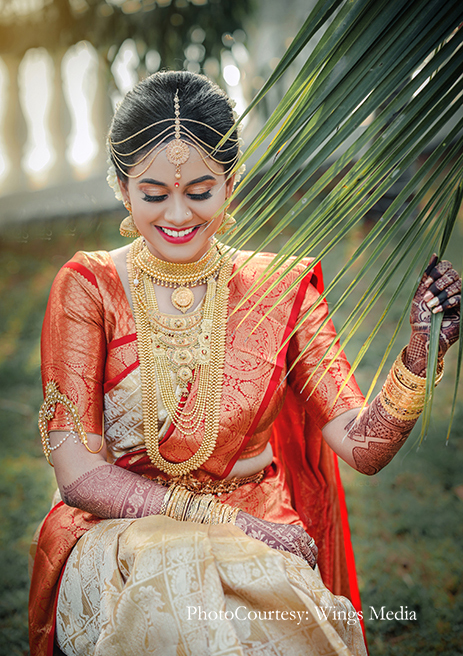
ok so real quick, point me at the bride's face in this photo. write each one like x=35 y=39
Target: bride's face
x=177 y=217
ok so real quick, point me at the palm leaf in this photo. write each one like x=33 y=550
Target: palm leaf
x=436 y=323
x=400 y=63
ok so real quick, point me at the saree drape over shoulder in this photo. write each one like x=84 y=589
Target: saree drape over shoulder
x=147 y=571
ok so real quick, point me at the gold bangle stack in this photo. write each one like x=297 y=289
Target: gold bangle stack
x=403 y=393
x=184 y=506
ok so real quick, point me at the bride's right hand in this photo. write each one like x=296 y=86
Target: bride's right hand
x=285 y=537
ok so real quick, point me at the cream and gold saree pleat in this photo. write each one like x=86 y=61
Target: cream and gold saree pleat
x=160 y=587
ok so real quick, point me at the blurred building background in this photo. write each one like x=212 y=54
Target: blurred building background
x=64 y=64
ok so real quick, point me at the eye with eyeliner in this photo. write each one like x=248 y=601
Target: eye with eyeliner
x=203 y=196
x=154 y=199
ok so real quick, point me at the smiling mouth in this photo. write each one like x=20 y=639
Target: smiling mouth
x=177 y=233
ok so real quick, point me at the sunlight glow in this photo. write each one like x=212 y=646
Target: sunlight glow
x=35 y=83
x=231 y=75
x=79 y=81
x=124 y=68
x=4 y=163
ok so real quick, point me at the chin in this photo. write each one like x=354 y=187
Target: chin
x=179 y=254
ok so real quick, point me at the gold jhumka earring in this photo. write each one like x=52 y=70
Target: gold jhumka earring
x=128 y=227
x=228 y=224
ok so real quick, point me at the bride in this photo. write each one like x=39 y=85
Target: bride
x=199 y=487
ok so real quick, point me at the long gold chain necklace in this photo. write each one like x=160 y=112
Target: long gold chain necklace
x=179 y=276
x=209 y=356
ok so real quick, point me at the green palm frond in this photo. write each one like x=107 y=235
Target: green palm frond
x=399 y=65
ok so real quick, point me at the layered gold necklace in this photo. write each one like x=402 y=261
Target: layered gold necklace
x=179 y=276
x=190 y=348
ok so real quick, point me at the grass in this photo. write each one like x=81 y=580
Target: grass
x=405 y=521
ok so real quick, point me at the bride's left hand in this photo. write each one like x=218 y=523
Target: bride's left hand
x=284 y=537
x=439 y=291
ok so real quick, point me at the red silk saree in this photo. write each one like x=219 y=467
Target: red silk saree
x=89 y=349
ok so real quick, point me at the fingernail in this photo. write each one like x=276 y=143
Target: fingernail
x=437 y=309
x=428 y=296
x=433 y=302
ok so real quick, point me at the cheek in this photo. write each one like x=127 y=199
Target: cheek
x=210 y=210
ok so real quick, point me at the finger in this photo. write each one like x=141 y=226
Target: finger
x=437 y=272
x=450 y=304
x=431 y=265
x=439 y=299
x=445 y=281
x=309 y=550
x=315 y=553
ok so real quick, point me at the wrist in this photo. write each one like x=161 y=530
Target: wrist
x=415 y=356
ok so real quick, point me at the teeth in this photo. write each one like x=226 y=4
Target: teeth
x=177 y=233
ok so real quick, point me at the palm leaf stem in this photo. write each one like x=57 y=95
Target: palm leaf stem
x=436 y=319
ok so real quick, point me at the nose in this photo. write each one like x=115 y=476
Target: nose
x=177 y=210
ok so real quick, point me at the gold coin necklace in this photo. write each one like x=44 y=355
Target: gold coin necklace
x=179 y=276
x=192 y=347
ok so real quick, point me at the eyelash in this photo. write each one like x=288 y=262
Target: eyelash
x=203 y=196
x=156 y=199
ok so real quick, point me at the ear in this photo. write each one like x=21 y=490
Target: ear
x=229 y=184
x=124 y=187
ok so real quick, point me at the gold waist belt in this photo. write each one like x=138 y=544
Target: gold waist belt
x=209 y=487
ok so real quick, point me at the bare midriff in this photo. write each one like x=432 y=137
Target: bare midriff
x=249 y=466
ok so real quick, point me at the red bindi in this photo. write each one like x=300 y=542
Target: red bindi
x=176 y=184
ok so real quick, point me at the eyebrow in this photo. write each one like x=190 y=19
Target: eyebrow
x=163 y=184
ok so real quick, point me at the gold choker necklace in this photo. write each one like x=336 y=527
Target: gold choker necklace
x=179 y=276
x=173 y=274
x=158 y=346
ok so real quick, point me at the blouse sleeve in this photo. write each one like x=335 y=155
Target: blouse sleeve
x=74 y=345
x=320 y=395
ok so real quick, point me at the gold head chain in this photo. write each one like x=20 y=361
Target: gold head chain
x=177 y=148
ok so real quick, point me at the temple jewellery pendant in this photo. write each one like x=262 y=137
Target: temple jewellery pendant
x=182 y=299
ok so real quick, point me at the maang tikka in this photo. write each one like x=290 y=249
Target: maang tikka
x=177 y=151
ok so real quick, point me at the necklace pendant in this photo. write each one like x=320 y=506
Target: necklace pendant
x=182 y=299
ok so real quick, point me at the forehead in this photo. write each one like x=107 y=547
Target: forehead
x=158 y=166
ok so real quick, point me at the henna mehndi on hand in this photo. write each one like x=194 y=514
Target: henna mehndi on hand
x=439 y=289
x=284 y=537
x=377 y=436
x=109 y=491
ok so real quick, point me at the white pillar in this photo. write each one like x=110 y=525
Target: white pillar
x=59 y=123
x=101 y=113
x=14 y=129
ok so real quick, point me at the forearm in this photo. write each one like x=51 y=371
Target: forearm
x=378 y=433
x=369 y=440
x=108 y=491
x=374 y=437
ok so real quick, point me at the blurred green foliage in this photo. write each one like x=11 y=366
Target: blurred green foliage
x=406 y=521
